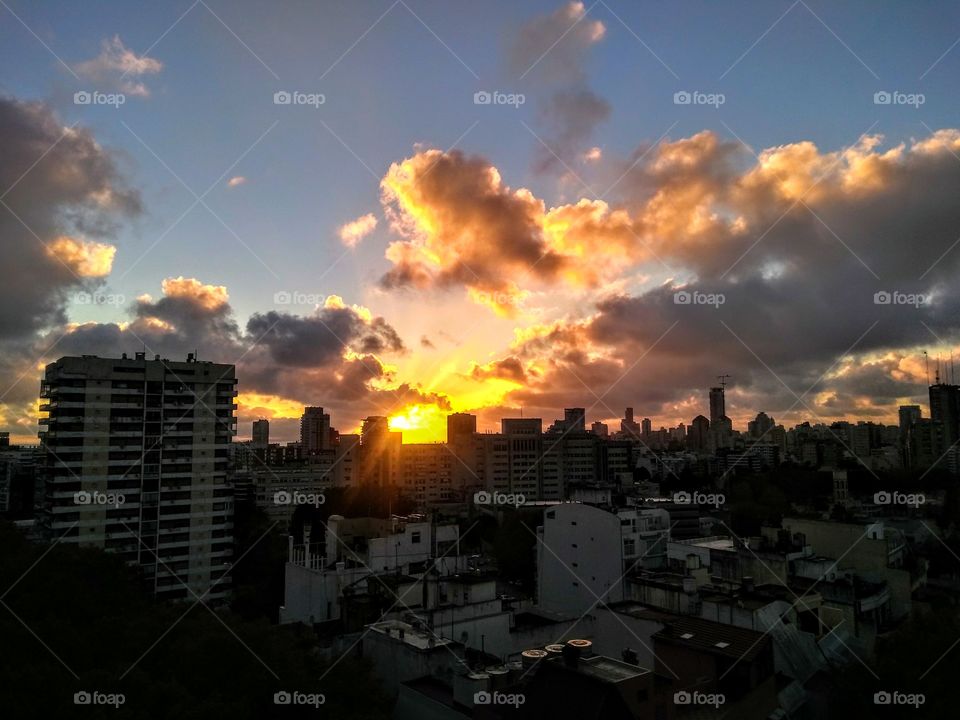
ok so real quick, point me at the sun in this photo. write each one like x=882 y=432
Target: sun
x=420 y=423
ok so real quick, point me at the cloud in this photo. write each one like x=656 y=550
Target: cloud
x=554 y=46
x=797 y=241
x=354 y=231
x=65 y=199
x=118 y=68
x=550 y=53
x=332 y=331
x=209 y=297
x=510 y=368
x=84 y=258
x=236 y=181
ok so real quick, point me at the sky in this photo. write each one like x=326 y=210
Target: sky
x=486 y=207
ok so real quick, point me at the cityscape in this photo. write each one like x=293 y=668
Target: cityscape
x=519 y=360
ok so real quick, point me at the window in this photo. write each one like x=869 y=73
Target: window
x=415 y=537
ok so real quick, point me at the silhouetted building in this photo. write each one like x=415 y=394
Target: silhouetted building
x=315 y=432
x=136 y=455
x=261 y=433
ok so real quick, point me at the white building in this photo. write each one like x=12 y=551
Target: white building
x=584 y=551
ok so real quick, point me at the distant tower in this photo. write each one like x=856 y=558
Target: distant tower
x=314 y=430
x=261 y=433
x=718 y=404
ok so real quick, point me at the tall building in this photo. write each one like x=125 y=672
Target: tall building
x=718 y=405
x=135 y=463
x=909 y=414
x=261 y=433
x=379 y=452
x=315 y=432
x=760 y=426
x=945 y=409
x=698 y=434
x=575 y=419
x=460 y=426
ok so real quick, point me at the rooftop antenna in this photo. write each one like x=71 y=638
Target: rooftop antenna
x=937 y=376
x=926 y=363
x=723 y=381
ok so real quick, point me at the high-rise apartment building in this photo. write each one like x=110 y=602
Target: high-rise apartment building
x=718 y=404
x=945 y=409
x=261 y=433
x=315 y=433
x=135 y=463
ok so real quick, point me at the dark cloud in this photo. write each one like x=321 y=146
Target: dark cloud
x=56 y=182
x=305 y=341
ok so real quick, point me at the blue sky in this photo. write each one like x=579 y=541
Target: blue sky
x=399 y=78
x=399 y=86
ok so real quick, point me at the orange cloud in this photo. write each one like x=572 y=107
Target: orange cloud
x=353 y=232
x=209 y=297
x=85 y=258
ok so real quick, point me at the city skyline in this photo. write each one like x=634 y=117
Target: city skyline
x=580 y=216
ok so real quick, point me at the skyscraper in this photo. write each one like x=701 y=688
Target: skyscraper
x=575 y=419
x=945 y=408
x=314 y=430
x=460 y=426
x=261 y=433
x=135 y=462
x=718 y=405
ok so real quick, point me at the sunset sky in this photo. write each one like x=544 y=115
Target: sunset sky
x=401 y=250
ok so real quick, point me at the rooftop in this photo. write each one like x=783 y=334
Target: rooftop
x=712 y=637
